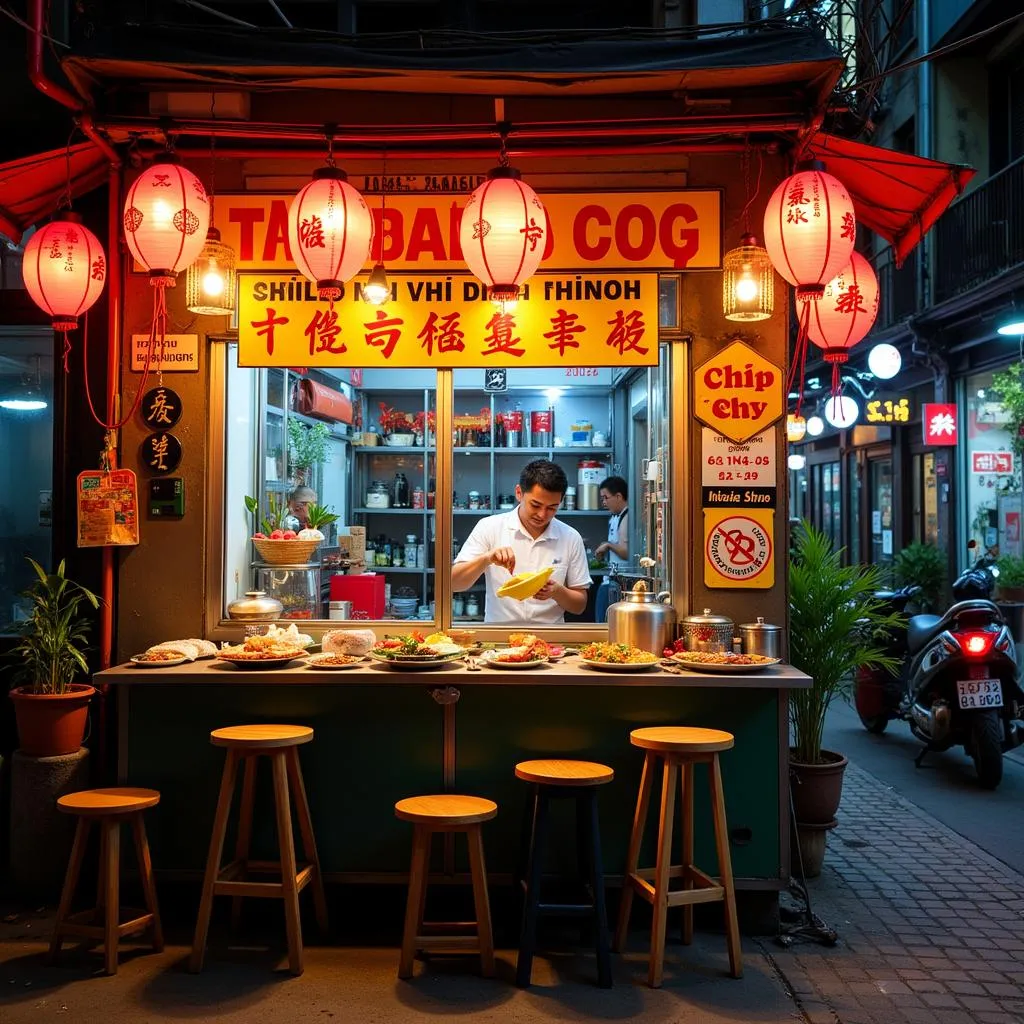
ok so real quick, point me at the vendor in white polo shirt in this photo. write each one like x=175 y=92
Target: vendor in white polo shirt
x=527 y=539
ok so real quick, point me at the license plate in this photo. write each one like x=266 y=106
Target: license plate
x=980 y=693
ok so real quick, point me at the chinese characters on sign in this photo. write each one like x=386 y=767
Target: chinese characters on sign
x=160 y=453
x=992 y=462
x=887 y=410
x=940 y=423
x=108 y=508
x=559 y=321
x=161 y=408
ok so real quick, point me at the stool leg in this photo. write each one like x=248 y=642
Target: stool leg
x=686 y=782
x=308 y=837
x=595 y=863
x=220 y=824
x=535 y=870
x=418 y=867
x=286 y=844
x=656 y=964
x=70 y=882
x=112 y=827
x=481 y=900
x=244 y=837
x=146 y=876
x=633 y=856
x=732 y=928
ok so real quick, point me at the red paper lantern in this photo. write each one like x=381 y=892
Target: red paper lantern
x=166 y=217
x=809 y=229
x=64 y=269
x=846 y=310
x=503 y=233
x=330 y=230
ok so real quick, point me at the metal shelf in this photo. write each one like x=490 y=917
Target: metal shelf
x=396 y=568
x=398 y=449
x=395 y=511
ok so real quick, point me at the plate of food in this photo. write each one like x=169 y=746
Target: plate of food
x=513 y=657
x=724 y=662
x=413 y=650
x=608 y=657
x=335 y=661
x=261 y=652
x=158 y=659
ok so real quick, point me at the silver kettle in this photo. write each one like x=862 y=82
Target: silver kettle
x=642 y=619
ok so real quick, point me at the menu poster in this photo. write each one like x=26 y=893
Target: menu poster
x=108 y=508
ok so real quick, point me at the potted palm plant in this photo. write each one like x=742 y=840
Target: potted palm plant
x=836 y=626
x=51 y=708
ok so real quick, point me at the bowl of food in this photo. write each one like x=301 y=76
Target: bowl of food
x=617 y=658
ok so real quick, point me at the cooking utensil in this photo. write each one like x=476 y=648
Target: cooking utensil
x=761 y=637
x=256 y=607
x=706 y=628
x=642 y=619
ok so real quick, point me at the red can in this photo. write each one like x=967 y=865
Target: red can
x=542 y=421
x=513 y=420
x=418 y=497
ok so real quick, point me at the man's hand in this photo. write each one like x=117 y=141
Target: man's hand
x=547 y=592
x=601 y=549
x=505 y=557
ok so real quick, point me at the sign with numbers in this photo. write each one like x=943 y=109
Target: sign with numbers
x=741 y=474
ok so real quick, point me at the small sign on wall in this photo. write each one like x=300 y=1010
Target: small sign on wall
x=179 y=353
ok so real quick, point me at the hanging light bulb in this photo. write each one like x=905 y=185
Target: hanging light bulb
x=377 y=289
x=841 y=411
x=796 y=462
x=796 y=427
x=815 y=426
x=748 y=282
x=27 y=397
x=885 y=361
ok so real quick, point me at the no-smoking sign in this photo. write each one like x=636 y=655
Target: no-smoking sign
x=738 y=550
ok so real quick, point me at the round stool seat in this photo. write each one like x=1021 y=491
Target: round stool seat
x=99 y=803
x=560 y=772
x=446 y=809
x=678 y=739
x=262 y=737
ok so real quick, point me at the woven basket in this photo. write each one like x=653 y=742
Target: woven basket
x=285 y=552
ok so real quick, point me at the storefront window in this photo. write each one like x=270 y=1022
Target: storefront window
x=380 y=474
x=880 y=498
x=26 y=464
x=993 y=488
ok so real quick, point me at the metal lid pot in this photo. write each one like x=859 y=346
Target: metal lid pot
x=761 y=638
x=706 y=628
x=256 y=607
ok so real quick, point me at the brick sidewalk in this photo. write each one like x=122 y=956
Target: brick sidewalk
x=931 y=928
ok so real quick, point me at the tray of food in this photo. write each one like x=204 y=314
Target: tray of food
x=261 y=652
x=617 y=658
x=174 y=652
x=721 y=662
x=415 y=651
x=158 y=659
x=335 y=661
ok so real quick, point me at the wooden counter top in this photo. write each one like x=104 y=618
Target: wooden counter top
x=569 y=672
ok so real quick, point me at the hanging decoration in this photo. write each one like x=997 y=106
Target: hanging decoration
x=748 y=278
x=844 y=314
x=329 y=229
x=885 y=361
x=796 y=428
x=504 y=230
x=64 y=269
x=377 y=289
x=841 y=411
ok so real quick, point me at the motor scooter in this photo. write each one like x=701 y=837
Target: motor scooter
x=958 y=678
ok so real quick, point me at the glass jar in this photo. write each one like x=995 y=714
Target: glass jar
x=472 y=606
x=377 y=496
x=458 y=606
x=296 y=587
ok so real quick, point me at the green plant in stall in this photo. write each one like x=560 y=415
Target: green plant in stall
x=52 y=646
x=1008 y=387
x=836 y=626
x=925 y=566
x=1011 y=571
x=307 y=446
x=319 y=516
x=273 y=520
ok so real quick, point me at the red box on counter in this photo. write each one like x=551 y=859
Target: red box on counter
x=366 y=593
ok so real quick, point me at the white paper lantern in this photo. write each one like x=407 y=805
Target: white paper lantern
x=815 y=425
x=885 y=361
x=796 y=462
x=841 y=411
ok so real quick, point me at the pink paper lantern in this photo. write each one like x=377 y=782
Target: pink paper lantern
x=846 y=310
x=166 y=217
x=503 y=233
x=330 y=230
x=809 y=229
x=64 y=269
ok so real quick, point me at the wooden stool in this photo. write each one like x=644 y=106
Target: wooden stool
x=551 y=780
x=247 y=743
x=679 y=748
x=446 y=813
x=109 y=807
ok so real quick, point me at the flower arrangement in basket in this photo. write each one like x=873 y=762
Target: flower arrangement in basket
x=425 y=423
x=397 y=426
x=278 y=546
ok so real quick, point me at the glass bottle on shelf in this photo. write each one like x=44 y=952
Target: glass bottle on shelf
x=500 y=433
x=400 y=492
x=397 y=554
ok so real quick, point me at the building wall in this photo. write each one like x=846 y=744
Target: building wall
x=961 y=121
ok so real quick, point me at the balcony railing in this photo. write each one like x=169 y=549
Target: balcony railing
x=981 y=235
x=897 y=289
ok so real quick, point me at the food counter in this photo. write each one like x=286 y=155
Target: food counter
x=383 y=733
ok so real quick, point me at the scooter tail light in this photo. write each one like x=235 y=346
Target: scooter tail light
x=976 y=643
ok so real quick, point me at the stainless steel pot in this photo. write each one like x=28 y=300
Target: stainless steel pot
x=256 y=607
x=642 y=619
x=761 y=638
x=707 y=628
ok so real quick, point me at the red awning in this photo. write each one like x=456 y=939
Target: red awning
x=31 y=188
x=897 y=195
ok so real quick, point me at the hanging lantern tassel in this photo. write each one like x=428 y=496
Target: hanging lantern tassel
x=799 y=364
x=844 y=314
x=64 y=270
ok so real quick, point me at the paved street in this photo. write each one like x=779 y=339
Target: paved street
x=931 y=931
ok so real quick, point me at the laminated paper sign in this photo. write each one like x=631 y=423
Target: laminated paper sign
x=738 y=549
x=108 y=508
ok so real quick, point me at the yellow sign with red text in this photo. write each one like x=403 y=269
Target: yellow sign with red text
x=738 y=392
x=738 y=550
x=679 y=229
x=444 y=321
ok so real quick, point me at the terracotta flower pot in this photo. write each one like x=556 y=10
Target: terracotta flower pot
x=809 y=852
x=50 y=724
x=817 y=788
